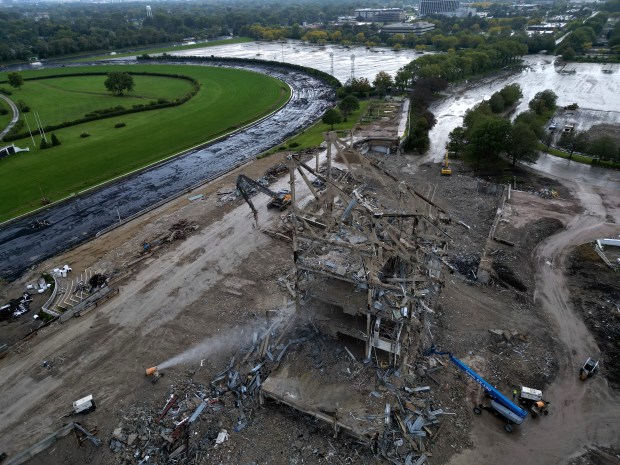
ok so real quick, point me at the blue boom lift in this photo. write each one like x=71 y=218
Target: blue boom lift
x=499 y=402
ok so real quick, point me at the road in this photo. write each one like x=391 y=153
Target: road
x=79 y=219
x=15 y=111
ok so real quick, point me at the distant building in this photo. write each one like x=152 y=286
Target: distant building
x=418 y=28
x=380 y=15
x=441 y=7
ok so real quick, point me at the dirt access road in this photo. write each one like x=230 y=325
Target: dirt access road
x=584 y=414
x=175 y=299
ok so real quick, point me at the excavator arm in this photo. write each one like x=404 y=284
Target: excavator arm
x=278 y=200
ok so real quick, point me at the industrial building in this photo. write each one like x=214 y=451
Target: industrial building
x=417 y=28
x=380 y=15
x=444 y=7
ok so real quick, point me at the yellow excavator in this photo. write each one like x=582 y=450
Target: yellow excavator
x=280 y=200
x=445 y=166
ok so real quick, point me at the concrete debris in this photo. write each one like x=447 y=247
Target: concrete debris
x=222 y=437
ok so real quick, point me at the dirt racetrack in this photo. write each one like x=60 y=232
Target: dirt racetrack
x=221 y=279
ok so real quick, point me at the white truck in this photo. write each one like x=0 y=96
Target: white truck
x=84 y=405
x=533 y=398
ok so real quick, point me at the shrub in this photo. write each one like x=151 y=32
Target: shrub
x=5 y=91
x=44 y=144
x=4 y=111
x=162 y=100
x=120 y=124
x=22 y=106
x=292 y=145
x=84 y=134
x=55 y=140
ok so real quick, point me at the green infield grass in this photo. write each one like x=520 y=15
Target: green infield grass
x=70 y=98
x=228 y=99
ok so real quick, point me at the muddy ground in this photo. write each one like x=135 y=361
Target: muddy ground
x=222 y=278
x=595 y=292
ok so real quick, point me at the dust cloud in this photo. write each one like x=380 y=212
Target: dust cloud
x=240 y=336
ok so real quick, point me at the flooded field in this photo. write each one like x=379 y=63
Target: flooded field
x=588 y=86
x=581 y=83
x=365 y=62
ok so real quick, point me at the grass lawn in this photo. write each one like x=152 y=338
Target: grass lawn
x=69 y=98
x=228 y=99
x=559 y=153
x=313 y=136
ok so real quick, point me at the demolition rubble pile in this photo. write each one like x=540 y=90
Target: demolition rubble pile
x=399 y=419
x=368 y=254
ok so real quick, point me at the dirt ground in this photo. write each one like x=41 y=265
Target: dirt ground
x=216 y=285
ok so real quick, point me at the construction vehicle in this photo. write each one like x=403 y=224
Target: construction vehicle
x=280 y=200
x=500 y=404
x=445 y=166
x=588 y=369
x=84 y=405
x=533 y=399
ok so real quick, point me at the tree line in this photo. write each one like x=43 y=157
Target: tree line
x=27 y=30
x=71 y=28
x=487 y=133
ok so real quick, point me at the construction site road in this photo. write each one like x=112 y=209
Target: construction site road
x=586 y=414
x=119 y=341
x=78 y=219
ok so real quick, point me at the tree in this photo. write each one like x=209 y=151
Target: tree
x=348 y=104
x=573 y=142
x=604 y=148
x=511 y=94
x=568 y=54
x=496 y=102
x=55 y=140
x=15 y=80
x=522 y=144
x=487 y=137
x=543 y=101
x=118 y=83
x=359 y=86
x=456 y=141
x=382 y=83
x=530 y=118
x=331 y=117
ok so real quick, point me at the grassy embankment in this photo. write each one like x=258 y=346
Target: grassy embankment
x=227 y=100
x=6 y=118
x=313 y=136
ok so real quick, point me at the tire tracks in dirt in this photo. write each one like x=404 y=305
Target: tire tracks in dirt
x=583 y=414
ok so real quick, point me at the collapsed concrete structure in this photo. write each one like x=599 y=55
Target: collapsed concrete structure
x=368 y=253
